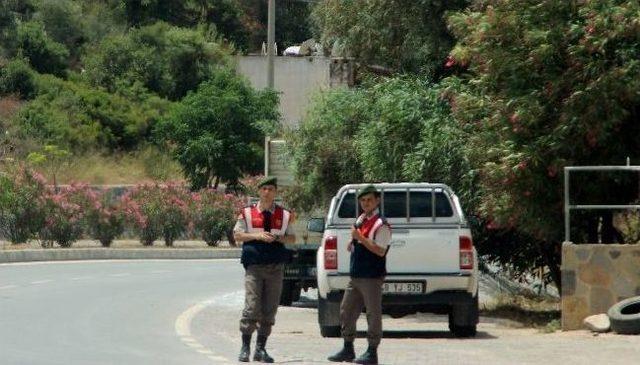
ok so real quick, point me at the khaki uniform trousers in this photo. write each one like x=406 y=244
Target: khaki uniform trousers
x=367 y=293
x=263 y=286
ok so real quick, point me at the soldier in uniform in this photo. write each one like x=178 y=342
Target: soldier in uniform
x=370 y=242
x=262 y=228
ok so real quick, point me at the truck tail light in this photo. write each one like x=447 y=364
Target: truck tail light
x=466 y=253
x=331 y=253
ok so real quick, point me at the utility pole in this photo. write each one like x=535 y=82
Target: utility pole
x=271 y=39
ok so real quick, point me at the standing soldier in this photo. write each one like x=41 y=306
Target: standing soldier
x=263 y=228
x=370 y=241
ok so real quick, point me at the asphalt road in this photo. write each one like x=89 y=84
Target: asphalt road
x=186 y=312
x=111 y=312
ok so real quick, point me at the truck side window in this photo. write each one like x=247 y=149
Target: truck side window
x=348 y=206
x=443 y=206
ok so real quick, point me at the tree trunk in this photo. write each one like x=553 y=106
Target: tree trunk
x=552 y=256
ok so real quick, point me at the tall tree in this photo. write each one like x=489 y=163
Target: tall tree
x=403 y=35
x=217 y=133
x=549 y=84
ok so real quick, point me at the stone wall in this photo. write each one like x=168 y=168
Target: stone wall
x=596 y=276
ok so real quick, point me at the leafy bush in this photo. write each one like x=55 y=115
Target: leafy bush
x=214 y=214
x=158 y=210
x=77 y=118
x=218 y=131
x=65 y=210
x=142 y=206
x=21 y=216
x=16 y=77
x=104 y=217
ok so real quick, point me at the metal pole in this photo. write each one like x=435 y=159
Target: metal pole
x=271 y=39
x=566 y=206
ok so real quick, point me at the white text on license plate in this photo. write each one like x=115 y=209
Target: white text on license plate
x=403 y=287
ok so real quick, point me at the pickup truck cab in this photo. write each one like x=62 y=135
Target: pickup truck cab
x=431 y=264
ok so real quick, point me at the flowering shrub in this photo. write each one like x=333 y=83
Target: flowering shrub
x=141 y=208
x=174 y=214
x=64 y=221
x=214 y=214
x=104 y=217
x=21 y=216
x=158 y=210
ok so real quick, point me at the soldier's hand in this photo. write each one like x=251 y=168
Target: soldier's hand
x=266 y=237
x=356 y=234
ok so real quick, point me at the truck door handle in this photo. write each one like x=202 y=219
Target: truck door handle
x=398 y=243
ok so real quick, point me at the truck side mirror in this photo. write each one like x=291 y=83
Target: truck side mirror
x=315 y=225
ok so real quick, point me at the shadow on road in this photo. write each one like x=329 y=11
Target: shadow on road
x=429 y=335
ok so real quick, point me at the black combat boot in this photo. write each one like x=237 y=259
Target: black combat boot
x=370 y=357
x=261 y=353
x=245 y=350
x=345 y=355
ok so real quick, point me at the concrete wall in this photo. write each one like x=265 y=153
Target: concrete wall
x=296 y=78
x=596 y=276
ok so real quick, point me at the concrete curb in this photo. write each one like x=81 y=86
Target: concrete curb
x=117 y=254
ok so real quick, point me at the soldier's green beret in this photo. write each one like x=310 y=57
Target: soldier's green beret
x=368 y=190
x=268 y=180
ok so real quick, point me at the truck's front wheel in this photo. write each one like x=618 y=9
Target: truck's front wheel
x=330 y=331
x=329 y=316
x=290 y=293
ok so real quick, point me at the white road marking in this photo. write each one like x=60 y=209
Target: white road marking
x=41 y=281
x=8 y=287
x=120 y=275
x=82 y=278
x=183 y=330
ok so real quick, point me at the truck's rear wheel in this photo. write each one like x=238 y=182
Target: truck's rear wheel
x=463 y=318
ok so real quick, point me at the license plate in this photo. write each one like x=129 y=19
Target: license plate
x=403 y=287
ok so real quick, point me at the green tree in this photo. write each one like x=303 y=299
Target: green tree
x=44 y=54
x=217 y=132
x=322 y=148
x=549 y=84
x=165 y=59
x=292 y=22
x=403 y=35
x=225 y=15
x=63 y=21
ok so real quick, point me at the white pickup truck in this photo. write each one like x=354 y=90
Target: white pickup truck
x=431 y=264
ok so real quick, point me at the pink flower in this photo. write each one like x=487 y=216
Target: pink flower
x=450 y=62
x=522 y=165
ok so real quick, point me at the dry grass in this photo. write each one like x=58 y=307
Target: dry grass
x=123 y=168
x=9 y=106
x=534 y=312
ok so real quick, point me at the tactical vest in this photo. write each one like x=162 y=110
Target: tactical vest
x=258 y=252
x=364 y=263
